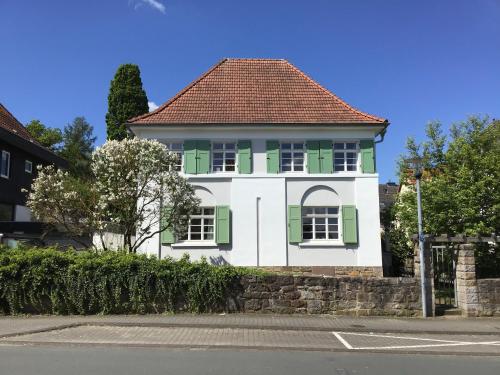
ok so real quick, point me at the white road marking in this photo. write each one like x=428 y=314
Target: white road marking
x=341 y=339
x=439 y=343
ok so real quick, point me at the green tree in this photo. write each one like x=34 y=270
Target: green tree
x=126 y=99
x=47 y=137
x=78 y=144
x=461 y=180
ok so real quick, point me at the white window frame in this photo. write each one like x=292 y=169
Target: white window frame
x=179 y=153
x=292 y=159
x=344 y=152
x=224 y=151
x=202 y=216
x=30 y=164
x=6 y=155
x=327 y=216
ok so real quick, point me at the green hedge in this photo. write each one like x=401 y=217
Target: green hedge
x=50 y=281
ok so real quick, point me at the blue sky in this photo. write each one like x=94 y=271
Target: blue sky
x=410 y=62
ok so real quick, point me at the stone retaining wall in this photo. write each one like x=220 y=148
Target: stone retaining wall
x=489 y=296
x=352 y=271
x=330 y=295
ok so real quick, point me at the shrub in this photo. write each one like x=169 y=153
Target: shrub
x=50 y=281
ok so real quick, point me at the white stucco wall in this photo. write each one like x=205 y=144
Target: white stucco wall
x=259 y=201
x=22 y=213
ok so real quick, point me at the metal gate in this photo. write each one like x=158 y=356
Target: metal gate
x=444 y=267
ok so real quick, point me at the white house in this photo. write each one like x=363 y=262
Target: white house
x=285 y=169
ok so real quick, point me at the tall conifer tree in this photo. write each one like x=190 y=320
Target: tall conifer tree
x=126 y=99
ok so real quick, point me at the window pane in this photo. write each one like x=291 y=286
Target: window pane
x=298 y=155
x=333 y=210
x=308 y=210
x=338 y=146
x=208 y=211
x=286 y=146
x=321 y=235
x=351 y=167
x=307 y=236
x=320 y=211
x=196 y=236
x=333 y=228
x=298 y=145
x=230 y=168
x=208 y=229
x=195 y=221
x=218 y=146
x=299 y=167
x=208 y=236
x=307 y=228
x=286 y=155
x=286 y=168
x=218 y=155
x=333 y=235
x=350 y=146
x=230 y=146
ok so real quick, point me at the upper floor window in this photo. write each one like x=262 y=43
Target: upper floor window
x=320 y=223
x=223 y=157
x=5 y=164
x=177 y=149
x=345 y=156
x=201 y=225
x=28 y=166
x=292 y=157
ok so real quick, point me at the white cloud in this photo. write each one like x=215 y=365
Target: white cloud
x=156 y=4
x=152 y=106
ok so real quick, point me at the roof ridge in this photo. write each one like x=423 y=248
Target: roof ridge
x=348 y=106
x=180 y=93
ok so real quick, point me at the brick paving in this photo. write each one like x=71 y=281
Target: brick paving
x=18 y=324
x=196 y=337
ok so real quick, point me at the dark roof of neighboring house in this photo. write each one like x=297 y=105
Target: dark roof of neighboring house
x=256 y=91
x=9 y=122
x=13 y=132
x=387 y=194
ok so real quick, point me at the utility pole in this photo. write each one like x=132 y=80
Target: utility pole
x=418 y=175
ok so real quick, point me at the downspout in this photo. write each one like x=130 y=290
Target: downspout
x=382 y=134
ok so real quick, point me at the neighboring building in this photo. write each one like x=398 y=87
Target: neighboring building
x=388 y=193
x=20 y=156
x=285 y=169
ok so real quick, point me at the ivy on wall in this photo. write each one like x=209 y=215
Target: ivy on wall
x=50 y=281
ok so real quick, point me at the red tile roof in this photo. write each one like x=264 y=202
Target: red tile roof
x=255 y=91
x=10 y=123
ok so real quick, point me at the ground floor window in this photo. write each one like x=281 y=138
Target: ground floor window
x=201 y=225
x=6 y=212
x=320 y=223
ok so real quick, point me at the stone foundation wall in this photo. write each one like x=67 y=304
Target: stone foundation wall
x=330 y=295
x=350 y=271
x=489 y=296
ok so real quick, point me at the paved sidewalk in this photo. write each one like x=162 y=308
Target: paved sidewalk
x=12 y=326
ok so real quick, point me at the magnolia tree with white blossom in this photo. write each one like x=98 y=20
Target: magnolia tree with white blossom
x=134 y=189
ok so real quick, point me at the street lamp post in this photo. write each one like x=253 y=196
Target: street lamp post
x=418 y=174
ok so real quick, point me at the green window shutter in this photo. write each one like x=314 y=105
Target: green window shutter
x=349 y=224
x=245 y=157
x=273 y=156
x=203 y=157
x=222 y=224
x=367 y=148
x=326 y=156
x=167 y=236
x=294 y=223
x=313 y=162
x=190 y=157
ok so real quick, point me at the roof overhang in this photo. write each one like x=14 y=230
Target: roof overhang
x=32 y=148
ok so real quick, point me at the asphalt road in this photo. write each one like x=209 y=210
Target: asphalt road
x=46 y=360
